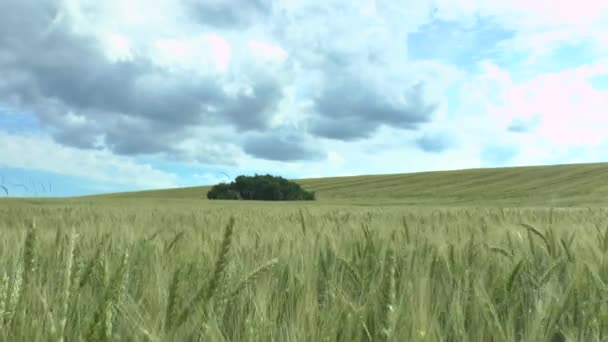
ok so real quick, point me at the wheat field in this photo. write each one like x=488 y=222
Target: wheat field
x=179 y=268
x=156 y=272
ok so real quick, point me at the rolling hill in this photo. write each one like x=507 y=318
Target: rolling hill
x=555 y=185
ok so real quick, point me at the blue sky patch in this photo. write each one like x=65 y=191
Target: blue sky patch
x=21 y=182
x=436 y=143
x=190 y=174
x=498 y=155
x=600 y=82
x=455 y=43
x=17 y=122
x=566 y=55
x=520 y=125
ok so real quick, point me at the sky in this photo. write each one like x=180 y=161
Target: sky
x=122 y=95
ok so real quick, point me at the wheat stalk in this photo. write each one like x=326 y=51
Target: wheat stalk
x=172 y=300
x=29 y=261
x=251 y=278
x=95 y=260
x=102 y=323
x=302 y=223
x=67 y=284
x=174 y=241
x=15 y=294
x=205 y=293
x=4 y=296
x=388 y=297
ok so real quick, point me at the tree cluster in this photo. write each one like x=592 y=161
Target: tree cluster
x=262 y=188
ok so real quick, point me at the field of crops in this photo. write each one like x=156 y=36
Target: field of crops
x=540 y=186
x=183 y=270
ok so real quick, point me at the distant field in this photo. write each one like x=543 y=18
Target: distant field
x=477 y=255
x=560 y=185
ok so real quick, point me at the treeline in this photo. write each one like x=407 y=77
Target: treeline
x=261 y=188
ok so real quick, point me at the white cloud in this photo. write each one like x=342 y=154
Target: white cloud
x=267 y=51
x=334 y=157
x=220 y=50
x=117 y=46
x=202 y=54
x=567 y=112
x=41 y=153
x=572 y=112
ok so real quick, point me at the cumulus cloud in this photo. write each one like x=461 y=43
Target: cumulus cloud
x=131 y=106
x=236 y=14
x=291 y=146
x=563 y=107
x=349 y=110
x=553 y=117
x=135 y=94
x=358 y=79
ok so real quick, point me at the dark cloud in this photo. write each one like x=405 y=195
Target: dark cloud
x=281 y=147
x=253 y=112
x=435 y=143
x=26 y=18
x=352 y=109
x=139 y=140
x=346 y=129
x=228 y=14
x=134 y=106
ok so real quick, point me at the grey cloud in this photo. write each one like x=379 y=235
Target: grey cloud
x=228 y=14
x=136 y=107
x=346 y=129
x=357 y=68
x=281 y=147
x=435 y=143
x=51 y=71
x=254 y=112
x=29 y=18
x=139 y=140
x=353 y=110
x=79 y=138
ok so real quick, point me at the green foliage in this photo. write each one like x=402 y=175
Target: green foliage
x=260 y=187
x=223 y=191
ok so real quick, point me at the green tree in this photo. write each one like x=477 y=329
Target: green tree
x=261 y=187
x=223 y=191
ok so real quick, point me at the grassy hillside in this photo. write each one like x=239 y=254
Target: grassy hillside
x=557 y=185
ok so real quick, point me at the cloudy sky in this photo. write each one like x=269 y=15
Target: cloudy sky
x=116 y=95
